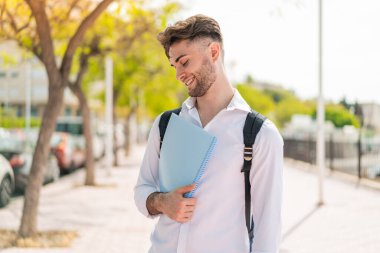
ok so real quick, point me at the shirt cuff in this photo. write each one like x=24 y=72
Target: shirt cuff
x=141 y=195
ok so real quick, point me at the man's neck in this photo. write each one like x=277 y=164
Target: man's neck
x=216 y=99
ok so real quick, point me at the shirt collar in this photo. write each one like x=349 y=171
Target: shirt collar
x=190 y=103
x=237 y=102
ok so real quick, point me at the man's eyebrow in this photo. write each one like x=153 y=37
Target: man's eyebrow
x=177 y=59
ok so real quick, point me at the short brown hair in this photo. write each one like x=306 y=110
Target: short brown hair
x=194 y=27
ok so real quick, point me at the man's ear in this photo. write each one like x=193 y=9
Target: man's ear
x=215 y=50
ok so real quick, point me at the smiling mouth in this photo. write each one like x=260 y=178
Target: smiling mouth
x=189 y=81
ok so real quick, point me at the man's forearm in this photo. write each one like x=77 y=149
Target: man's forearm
x=153 y=203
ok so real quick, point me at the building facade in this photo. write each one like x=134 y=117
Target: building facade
x=371 y=116
x=13 y=86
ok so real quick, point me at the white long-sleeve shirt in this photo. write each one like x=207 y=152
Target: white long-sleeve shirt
x=218 y=222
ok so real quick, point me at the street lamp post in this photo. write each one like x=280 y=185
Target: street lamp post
x=320 y=111
x=359 y=115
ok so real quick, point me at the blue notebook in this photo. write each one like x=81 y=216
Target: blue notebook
x=185 y=151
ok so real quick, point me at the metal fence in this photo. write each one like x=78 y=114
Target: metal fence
x=357 y=157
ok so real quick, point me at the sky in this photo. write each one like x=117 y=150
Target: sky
x=277 y=41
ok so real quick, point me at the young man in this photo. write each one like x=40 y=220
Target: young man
x=214 y=220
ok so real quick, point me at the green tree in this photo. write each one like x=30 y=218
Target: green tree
x=279 y=95
x=339 y=115
x=141 y=70
x=346 y=104
x=289 y=106
x=33 y=25
x=256 y=99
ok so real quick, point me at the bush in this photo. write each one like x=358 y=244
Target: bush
x=339 y=116
x=290 y=106
x=11 y=122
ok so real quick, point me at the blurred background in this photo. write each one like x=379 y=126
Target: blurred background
x=277 y=54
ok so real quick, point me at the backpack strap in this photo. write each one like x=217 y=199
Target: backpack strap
x=164 y=120
x=252 y=126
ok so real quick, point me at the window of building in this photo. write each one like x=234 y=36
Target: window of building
x=33 y=111
x=19 y=111
x=67 y=111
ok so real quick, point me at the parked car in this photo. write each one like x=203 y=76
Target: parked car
x=20 y=157
x=74 y=127
x=6 y=181
x=69 y=151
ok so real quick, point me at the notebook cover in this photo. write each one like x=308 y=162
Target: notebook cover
x=185 y=151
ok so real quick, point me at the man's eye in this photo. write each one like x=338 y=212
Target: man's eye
x=185 y=63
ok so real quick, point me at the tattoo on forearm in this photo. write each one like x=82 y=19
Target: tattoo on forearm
x=151 y=203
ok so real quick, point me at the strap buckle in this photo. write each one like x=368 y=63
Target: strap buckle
x=248 y=154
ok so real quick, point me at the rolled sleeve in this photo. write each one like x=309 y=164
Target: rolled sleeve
x=266 y=189
x=148 y=182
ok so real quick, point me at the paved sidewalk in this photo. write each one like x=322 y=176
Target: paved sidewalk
x=104 y=216
x=108 y=222
x=348 y=222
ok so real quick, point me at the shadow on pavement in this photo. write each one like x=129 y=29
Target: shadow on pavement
x=293 y=228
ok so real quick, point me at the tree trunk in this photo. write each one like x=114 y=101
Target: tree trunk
x=57 y=82
x=115 y=148
x=28 y=225
x=114 y=118
x=127 y=130
x=86 y=116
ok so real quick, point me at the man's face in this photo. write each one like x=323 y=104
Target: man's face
x=194 y=66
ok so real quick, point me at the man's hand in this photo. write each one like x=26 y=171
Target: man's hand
x=173 y=204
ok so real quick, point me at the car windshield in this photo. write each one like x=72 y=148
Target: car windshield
x=72 y=128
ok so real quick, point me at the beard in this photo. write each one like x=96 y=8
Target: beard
x=204 y=79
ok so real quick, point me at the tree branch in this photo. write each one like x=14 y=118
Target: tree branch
x=26 y=24
x=2 y=11
x=83 y=65
x=82 y=69
x=142 y=27
x=36 y=52
x=44 y=35
x=17 y=30
x=72 y=6
x=78 y=36
x=13 y=23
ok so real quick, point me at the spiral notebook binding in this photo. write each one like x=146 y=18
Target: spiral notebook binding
x=201 y=169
